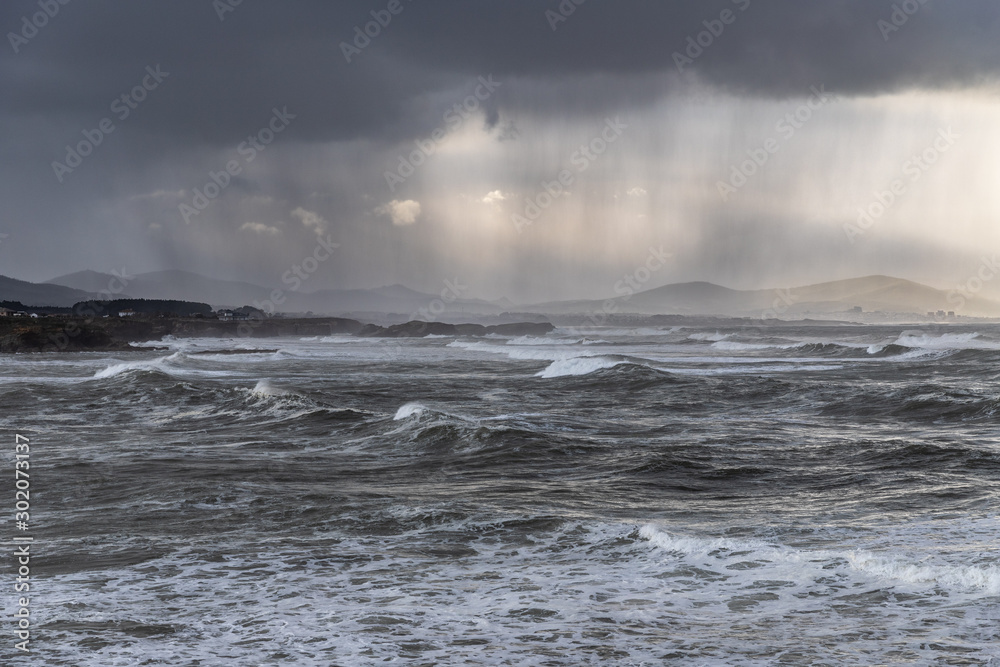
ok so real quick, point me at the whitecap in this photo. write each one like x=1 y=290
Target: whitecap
x=409 y=410
x=577 y=366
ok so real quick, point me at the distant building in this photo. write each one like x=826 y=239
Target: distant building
x=128 y=312
x=940 y=313
x=856 y=309
x=5 y=312
x=951 y=313
x=240 y=314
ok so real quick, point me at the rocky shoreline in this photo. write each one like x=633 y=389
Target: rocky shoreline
x=78 y=334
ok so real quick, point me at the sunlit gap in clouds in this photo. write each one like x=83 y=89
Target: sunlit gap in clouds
x=659 y=184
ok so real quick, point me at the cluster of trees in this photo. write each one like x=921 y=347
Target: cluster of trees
x=143 y=307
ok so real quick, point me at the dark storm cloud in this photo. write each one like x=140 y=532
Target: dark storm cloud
x=226 y=73
x=353 y=120
x=770 y=47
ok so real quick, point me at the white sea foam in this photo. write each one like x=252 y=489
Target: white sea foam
x=960 y=577
x=577 y=366
x=265 y=388
x=512 y=598
x=160 y=364
x=699 y=545
x=564 y=361
x=886 y=568
x=409 y=410
x=173 y=364
x=524 y=352
x=118 y=369
x=948 y=341
x=715 y=337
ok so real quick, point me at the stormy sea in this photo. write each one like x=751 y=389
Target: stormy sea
x=802 y=495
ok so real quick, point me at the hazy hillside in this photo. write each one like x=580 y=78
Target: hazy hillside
x=90 y=281
x=871 y=293
x=391 y=299
x=181 y=285
x=187 y=286
x=35 y=294
x=697 y=298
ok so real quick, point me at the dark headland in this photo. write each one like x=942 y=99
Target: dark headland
x=55 y=333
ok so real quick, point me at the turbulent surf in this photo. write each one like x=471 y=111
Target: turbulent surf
x=746 y=496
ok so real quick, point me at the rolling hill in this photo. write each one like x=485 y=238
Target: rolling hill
x=871 y=293
x=41 y=294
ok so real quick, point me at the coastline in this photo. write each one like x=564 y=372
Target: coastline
x=81 y=334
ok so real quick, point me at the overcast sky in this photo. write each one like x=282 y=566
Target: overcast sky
x=652 y=113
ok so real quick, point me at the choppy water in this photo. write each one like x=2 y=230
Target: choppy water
x=676 y=496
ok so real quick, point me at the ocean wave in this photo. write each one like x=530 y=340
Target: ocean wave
x=962 y=577
x=410 y=410
x=779 y=561
x=919 y=345
x=170 y=365
x=158 y=365
x=886 y=349
x=129 y=366
x=948 y=341
x=921 y=456
x=594 y=330
x=341 y=338
x=525 y=353
x=924 y=402
x=822 y=348
x=239 y=355
x=280 y=403
x=713 y=337
x=265 y=388
x=539 y=340
x=579 y=366
x=736 y=346
x=440 y=437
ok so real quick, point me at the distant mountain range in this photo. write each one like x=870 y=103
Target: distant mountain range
x=871 y=293
x=181 y=285
x=35 y=294
x=188 y=286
